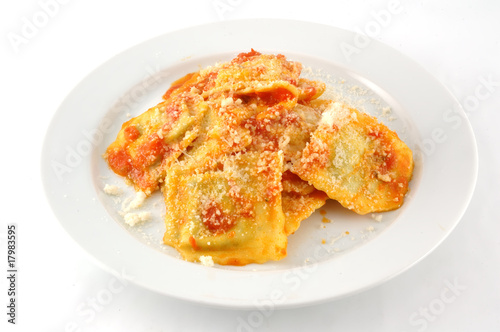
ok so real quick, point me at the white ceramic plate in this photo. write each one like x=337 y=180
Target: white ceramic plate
x=358 y=251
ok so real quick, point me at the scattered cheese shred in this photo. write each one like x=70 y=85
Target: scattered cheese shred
x=134 y=218
x=112 y=190
x=207 y=261
x=137 y=202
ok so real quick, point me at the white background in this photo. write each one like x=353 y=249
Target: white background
x=456 y=41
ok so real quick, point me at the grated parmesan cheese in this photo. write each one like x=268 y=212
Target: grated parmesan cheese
x=137 y=202
x=207 y=261
x=134 y=218
x=226 y=102
x=112 y=190
x=334 y=114
x=386 y=111
x=384 y=177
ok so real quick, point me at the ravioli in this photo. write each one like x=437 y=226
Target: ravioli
x=297 y=207
x=148 y=144
x=233 y=214
x=357 y=161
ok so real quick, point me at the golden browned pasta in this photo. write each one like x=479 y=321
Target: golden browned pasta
x=297 y=207
x=357 y=161
x=147 y=145
x=233 y=214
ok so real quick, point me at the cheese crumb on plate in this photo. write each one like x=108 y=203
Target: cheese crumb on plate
x=207 y=261
x=134 y=218
x=112 y=190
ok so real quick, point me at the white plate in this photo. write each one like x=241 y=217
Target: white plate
x=363 y=72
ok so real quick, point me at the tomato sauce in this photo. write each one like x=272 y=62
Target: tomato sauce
x=192 y=242
x=215 y=219
x=177 y=84
x=308 y=93
x=149 y=152
x=209 y=81
x=119 y=161
x=131 y=133
x=275 y=96
x=243 y=57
